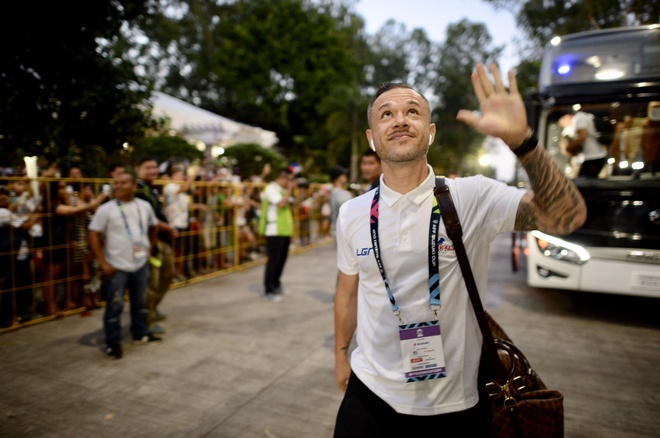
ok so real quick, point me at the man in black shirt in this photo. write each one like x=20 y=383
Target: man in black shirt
x=162 y=260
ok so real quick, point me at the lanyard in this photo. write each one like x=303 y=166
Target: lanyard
x=128 y=229
x=434 y=271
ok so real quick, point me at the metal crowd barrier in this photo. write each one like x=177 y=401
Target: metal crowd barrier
x=213 y=245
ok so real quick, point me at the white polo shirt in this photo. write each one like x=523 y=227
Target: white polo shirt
x=485 y=208
x=118 y=246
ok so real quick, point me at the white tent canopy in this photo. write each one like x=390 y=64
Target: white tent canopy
x=198 y=125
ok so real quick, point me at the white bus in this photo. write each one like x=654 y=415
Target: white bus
x=613 y=75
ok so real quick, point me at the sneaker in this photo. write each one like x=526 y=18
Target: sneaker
x=159 y=316
x=282 y=290
x=94 y=285
x=275 y=298
x=114 y=351
x=148 y=339
x=155 y=329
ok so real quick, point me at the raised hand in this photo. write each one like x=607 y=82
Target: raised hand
x=502 y=111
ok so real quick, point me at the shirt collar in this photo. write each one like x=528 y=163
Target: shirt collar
x=416 y=195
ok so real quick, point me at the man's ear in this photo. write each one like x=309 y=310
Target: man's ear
x=371 y=140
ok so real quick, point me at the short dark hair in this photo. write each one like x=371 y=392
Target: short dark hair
x=283 y=172
x=145 y=158
x=387 y=86
x=370 y=153
x=129 y=173
x=114 y=167
x=338 y=171
x=176 y=168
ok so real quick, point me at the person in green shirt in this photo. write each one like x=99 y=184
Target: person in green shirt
x=277 y=226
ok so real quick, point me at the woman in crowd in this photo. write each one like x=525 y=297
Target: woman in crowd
x=241 y=203
x=26 y=205
x=57 y=248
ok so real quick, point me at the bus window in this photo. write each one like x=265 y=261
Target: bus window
x=628 y=134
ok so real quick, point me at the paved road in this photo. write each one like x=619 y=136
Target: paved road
x=601 y=351
x=235 y=366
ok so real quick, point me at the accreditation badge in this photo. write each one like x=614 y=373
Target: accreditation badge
x=422 y=352
x=140 y=251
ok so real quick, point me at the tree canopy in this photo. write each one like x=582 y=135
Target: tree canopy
x=542 y=20
x=267 y=63
x=78 y=87
x=466 y=45
x=64 y=93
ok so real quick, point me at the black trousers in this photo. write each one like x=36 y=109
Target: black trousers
x=591 y=168
x=278 y=250
x=363 y=414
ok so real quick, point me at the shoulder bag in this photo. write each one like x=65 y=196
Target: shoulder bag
x=517 y=401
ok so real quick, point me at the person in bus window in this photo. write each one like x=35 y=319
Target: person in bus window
x=651 y=138
x=580 y=139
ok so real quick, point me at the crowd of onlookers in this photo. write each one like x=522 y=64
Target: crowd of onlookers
x=47 y=268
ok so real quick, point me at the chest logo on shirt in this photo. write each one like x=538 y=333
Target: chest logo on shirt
x=445 y=246
x=361 y=252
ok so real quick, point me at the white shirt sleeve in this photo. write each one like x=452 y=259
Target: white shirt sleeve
x=99 y=221
x=152 y=220
x=346 y=261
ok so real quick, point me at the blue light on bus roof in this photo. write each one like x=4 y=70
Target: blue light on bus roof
x=564 y=69
x=612 y=55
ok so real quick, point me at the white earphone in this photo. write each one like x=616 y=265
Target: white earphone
x=430 y=140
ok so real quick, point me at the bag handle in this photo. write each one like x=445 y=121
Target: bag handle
x=455 y=233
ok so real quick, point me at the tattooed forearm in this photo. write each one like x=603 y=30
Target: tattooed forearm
x=525 y=218
x=555 y=204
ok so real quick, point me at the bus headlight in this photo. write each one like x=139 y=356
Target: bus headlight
x=559 y=249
